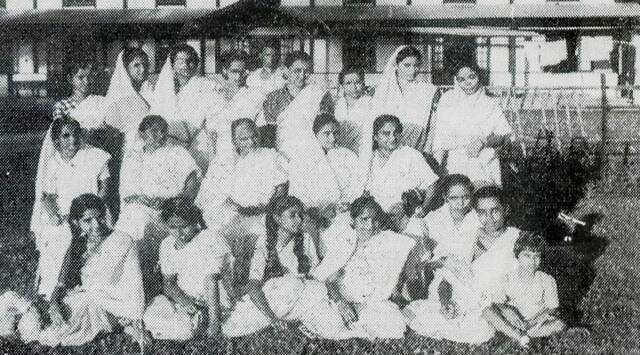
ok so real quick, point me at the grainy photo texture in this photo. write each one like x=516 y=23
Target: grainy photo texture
x=319 y=177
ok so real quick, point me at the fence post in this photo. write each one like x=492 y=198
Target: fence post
x=604 y=125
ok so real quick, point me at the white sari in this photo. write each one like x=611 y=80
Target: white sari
x=404 y=170
x=371 y=273
x=352 y=121
x=274 y=82
x=463 y=118
x=295 y=123
x=412 y=107
x=246 y=103
x=111 y=286
x=185 y=111
x=249 y=181
x=162 y=173
x=323 y=179
x=124 y=106
x=67 y=180
x=473 y=287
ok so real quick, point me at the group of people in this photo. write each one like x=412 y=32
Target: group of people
x=266 y=201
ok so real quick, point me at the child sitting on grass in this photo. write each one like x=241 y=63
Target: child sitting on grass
x=527 y=298
x=193 y=261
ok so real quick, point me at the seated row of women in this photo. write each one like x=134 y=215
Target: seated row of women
x=458 y=273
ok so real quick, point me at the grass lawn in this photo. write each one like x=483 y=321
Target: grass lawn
x=598 y=280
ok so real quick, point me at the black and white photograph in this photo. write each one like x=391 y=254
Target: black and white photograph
x=316 y=177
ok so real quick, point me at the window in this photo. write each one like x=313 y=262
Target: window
x=77 y=3
x=437 y=55
x=482 y=52
x=171 y=3
x=358 y=2
x=359 y=52
x=459 y=1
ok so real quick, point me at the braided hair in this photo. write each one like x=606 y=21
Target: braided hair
x=273 y=266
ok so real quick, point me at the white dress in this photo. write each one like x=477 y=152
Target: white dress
x=205 y=255
x=67 y=180
x=463 y=118
x=472 y=297
x=405 y=169
x=529 y=297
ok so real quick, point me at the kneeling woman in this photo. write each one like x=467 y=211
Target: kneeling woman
x=100 y=282
x=194 y=261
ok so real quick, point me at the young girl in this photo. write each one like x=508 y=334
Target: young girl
x=361 y=270
x=394 y=168
x=281 y=261
x=99 y=283
x=193 y=261
x=526 y=299
x=75 y=169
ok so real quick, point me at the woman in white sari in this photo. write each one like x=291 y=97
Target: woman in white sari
x=99 y=283
x=181 y=97
x=471 y=127
x=361 y=269
x=78 y=76
x=352 y=108
x=152 y=172
x=74 y=169
x=129 y=94
x=235 y=192
x=269 y=76
x=326 y=178
x=231 y=100
x=398 y=93
x=448 y=232
x=394 y=168
x=458 y=312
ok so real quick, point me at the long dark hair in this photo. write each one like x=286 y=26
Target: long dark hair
x=273 y=267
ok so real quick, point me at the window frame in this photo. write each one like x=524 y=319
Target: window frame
x=162 y=3
x=79 y=3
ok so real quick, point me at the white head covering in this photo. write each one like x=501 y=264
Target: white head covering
x=388 y=97
x=120 y=85
x=165 y=100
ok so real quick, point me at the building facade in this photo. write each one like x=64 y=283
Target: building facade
x=518 y=42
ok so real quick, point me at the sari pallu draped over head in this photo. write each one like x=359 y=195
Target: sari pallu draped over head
x=295 y=137
x=412 y=107
x=124 y=106
x=185 y=111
